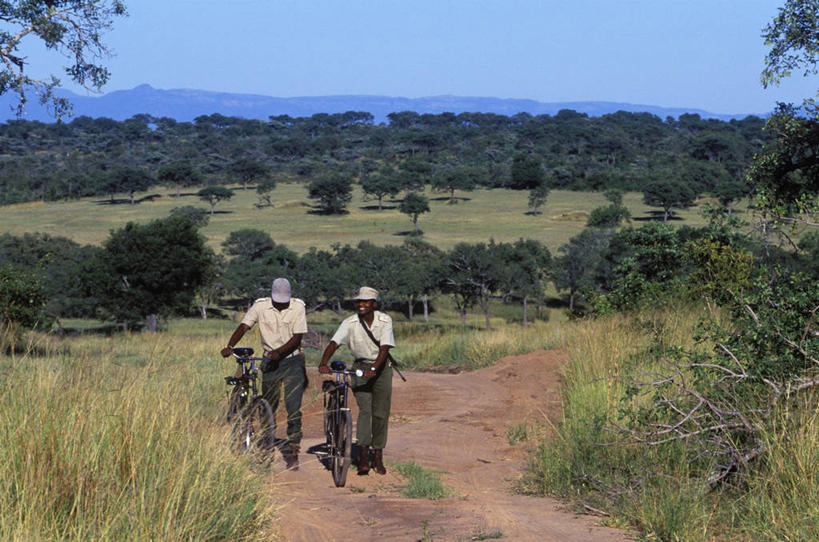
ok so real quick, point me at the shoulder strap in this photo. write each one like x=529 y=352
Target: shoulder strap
x=373 y=339
x=367 y=329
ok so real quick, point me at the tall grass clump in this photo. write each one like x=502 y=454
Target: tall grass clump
x=584 y=457
x=469 y=349
x=595 y=455
x=782 y=501
x=116 y=440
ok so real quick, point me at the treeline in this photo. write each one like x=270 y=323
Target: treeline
x=164 y=268
x=627 y=151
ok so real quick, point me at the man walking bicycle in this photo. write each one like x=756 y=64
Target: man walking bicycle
x=282 y=324
x=369 y=336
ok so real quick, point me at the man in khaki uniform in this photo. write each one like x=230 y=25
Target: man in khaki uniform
x=282 y=323
x=373 y=391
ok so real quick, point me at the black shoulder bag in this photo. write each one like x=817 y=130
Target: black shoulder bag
x=378 y=344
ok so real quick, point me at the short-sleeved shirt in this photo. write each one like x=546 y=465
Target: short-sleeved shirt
x=351 y=333
x=276 y=327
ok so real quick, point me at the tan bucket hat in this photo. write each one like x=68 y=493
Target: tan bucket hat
x=365 y=293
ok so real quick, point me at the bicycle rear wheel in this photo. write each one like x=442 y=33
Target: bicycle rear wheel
x=253 y=430
x=342 y=450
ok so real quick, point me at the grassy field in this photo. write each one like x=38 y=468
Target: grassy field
x=479 y=216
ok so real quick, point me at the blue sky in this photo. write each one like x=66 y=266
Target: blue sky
x=705 y=54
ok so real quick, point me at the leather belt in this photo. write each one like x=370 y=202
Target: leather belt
x=291 y=355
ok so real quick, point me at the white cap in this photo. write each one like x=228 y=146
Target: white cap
x=365 y=293
x=280 y=292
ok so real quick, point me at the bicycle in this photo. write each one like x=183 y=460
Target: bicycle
x=248 y=411
x=338 y=421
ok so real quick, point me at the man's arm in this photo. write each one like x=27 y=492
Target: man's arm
x=235 y=338
x=287 y=348
x=328 y=353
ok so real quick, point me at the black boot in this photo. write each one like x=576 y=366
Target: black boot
x=364 y=460
x=379 y=462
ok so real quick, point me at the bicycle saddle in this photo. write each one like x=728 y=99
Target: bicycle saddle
x=243 y=352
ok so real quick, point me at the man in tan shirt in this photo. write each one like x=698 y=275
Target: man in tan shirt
x=282 y=323
x=369 y=336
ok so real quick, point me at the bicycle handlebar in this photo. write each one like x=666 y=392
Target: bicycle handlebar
x=358 y=372
x=338 y=367
x=240 y=359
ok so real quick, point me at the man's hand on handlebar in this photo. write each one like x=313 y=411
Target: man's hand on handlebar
x=369 y=373
x=226 y=351
x=323 y=368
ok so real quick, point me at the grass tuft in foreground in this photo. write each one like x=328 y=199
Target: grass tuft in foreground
x=422 y=483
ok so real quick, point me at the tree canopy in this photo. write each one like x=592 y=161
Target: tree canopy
x=150 y=270
x=74 y=28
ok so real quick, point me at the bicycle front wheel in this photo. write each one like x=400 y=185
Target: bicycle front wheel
x=236 y=403
x=253 y=431
x=343 y=447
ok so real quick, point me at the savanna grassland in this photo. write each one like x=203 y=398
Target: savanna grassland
x=480 y=215
x=138 y=448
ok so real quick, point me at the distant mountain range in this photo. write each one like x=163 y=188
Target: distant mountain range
x=185 y=105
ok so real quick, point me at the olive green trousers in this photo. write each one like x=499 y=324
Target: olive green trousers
x=373 y=396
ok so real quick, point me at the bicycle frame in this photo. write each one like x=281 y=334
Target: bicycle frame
x=250 y=373
x=338 y=420
x=249 y=412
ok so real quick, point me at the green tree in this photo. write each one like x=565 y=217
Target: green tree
x=574 y=270
x=456 y=178
x=321 y=278
x=152 y=270
x=74 y=28
x=614 y=195
x=56 y=262
x=413 y=205
x=254 y=261
x=22 y=297
x=248 y=244
x=609 y=216
x=384 y=183
x=668 y=195
x=178 y=174
x=525 y=265
x=247 y=170
x=526 y=172
x=129 y=180
x=413 y=174
x=471 y=274
x=199 y=217
x=332 y=191
x=264 y=188
x=729 y=192
x=537 y=197
x=426 y=268
x=214 y=194
x=793 y=42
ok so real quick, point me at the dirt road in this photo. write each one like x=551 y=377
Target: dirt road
x=456 y=424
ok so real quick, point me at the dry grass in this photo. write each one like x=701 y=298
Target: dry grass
x=121 y=439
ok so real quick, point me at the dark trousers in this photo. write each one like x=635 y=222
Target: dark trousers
x=289 y=380
x=373 y=396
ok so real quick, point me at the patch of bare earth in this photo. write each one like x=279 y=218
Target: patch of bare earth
x=453 y=423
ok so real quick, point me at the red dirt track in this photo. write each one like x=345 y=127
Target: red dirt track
x=455 y=424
